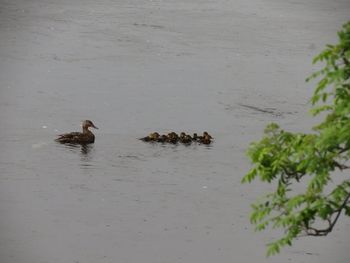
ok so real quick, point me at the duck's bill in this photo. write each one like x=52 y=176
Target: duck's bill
x=93 y=126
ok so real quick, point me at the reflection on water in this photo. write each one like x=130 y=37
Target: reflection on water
x=85 y=151
x=86 y=155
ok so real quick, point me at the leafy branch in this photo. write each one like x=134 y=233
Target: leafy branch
x=308 y=159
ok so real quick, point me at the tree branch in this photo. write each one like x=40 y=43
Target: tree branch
x=340 y=166
x=311 y=231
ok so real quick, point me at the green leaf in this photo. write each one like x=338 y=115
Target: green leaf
x=286 y=159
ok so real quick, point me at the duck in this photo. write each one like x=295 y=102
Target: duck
x=162 y=138
x=152 y=137
x=206 y=134
x=84 y=137
x=205 y=139
x=172 y=137
x=185 y=138
x=182 y=135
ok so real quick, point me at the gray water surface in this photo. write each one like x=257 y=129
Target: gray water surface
x=134 y=67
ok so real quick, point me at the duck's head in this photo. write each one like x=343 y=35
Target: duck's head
x=172 y=135
x=154 y=135
x=87 y=123
x=206 y=134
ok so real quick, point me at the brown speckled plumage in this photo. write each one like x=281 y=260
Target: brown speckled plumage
x=84 y=137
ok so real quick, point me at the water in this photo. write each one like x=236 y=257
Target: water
x=134 y=68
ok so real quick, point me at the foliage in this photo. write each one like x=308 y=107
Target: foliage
x=287 y=158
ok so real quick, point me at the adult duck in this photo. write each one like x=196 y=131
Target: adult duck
x=84 y=137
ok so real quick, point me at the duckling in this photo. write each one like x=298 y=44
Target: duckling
x=151 y=137
x=84 y=137
x=173 y=134
x=206 y=134
x=205 y=140
x=186 y=139
x=162 y=138
x=195 y=137
x=154 y=136
x=172 y=138
x=182 y=135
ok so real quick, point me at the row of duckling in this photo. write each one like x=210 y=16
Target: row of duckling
x=174 y=138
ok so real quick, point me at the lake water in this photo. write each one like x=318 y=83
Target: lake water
x=134 y=67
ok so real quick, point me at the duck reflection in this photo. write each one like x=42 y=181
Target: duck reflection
x=86 y=155
x=85 y=151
